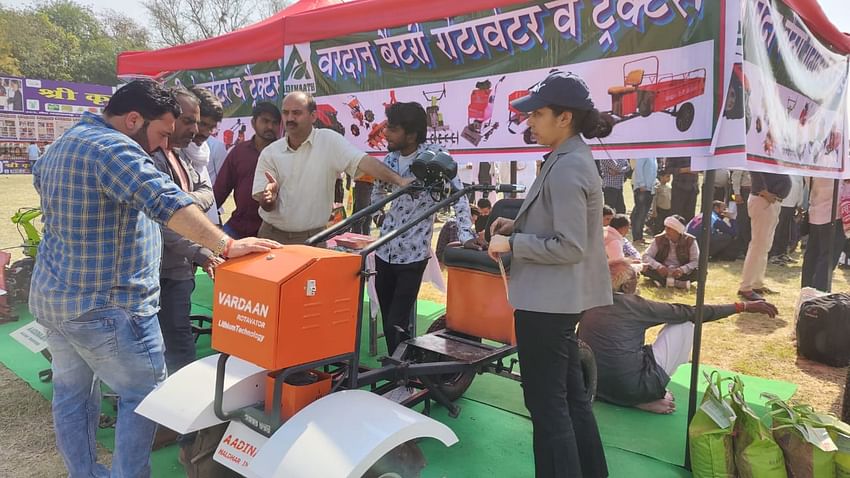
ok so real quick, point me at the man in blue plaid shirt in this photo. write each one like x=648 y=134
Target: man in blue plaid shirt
x=95 y=286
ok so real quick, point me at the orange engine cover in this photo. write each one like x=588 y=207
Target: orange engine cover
x=287 y=307
x=477 y=305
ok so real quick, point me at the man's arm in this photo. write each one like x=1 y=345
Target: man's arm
x=649 y=256
x=652 y=312
x=379 y=170
x=194 y=225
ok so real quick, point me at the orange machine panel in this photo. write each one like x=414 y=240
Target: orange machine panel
x=288 y=307
x=296 y=397
x=478 y=305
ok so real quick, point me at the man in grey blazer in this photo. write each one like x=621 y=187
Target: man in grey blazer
x=559 y=269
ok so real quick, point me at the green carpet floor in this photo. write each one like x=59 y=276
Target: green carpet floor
x=494 y=431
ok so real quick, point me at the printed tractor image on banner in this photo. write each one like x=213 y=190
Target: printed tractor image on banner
x=650 y=66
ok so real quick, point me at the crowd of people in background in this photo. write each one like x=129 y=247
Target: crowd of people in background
x=758 y=217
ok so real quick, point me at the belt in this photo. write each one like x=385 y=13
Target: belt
x=296 y=234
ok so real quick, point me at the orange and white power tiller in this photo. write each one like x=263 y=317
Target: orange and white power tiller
x=287 y=383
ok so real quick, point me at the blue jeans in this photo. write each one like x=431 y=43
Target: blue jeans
x=643 y=201
x=126 y=353
x=175 y=307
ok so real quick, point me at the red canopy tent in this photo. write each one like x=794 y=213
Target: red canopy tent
x=261 y=41
x=309 y=20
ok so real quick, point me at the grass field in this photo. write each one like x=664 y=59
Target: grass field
x=745 y=343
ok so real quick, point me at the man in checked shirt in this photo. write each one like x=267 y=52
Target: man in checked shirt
x=401 y=263
x=95 y=286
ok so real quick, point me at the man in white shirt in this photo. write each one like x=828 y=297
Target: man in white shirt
x=33 y=152
x=295 y=176
x=673 y=256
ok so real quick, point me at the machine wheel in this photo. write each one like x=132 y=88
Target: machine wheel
x=645 y=104
x=355 y=130
x=403 y=461
x=453 y=385
x=588 y=367
x=197 y=458
x=369 y=116
x=685 y=117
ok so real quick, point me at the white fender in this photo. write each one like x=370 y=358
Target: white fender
x=341 y=436
x=184 y=401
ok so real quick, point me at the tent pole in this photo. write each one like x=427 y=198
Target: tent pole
x=704 y=242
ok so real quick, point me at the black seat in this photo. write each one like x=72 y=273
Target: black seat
x=475 y=260
x=479 y=260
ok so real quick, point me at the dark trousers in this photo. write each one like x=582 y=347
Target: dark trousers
x=643 y=201
x=743 y=221
x=175 y=302
x=614 y=198
x=782 y=237
x=684 y=202
x=655 y=275
x=362 y=200
x=720 y=194
x=817 y=262
x=397 y=286
x=723 y=247
x=566 y=438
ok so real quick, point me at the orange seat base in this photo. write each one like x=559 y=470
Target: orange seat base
x=477 y=305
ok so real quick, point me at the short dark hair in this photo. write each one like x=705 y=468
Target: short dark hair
x=620 y=220
x=179 y=91
x=608 y=210
x=210 y=105
x=719 y=204
x=484 y=202
x=411 y=117
x=264 y=107
x=146 y=97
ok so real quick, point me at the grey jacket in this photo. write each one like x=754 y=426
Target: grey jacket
x=559 y=263
x=180 y=255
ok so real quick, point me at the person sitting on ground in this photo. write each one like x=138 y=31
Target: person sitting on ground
x=723 y=244
x=630 y=372
x=484 y=207
x=617 y=246
x=607 y=214
x=673 y=255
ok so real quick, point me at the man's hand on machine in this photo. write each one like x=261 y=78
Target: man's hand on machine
x=503 y=226
x=499 y=245
x=760 y=307
x=248 y=245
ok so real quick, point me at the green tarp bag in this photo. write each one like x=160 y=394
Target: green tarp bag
x=710 y=433
x=809 y=451
x=757 y=455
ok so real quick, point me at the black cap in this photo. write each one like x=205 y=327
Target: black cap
x=559 y=88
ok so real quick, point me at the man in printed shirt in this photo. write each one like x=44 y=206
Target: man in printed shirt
x=401 y=263
x=95 y=286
